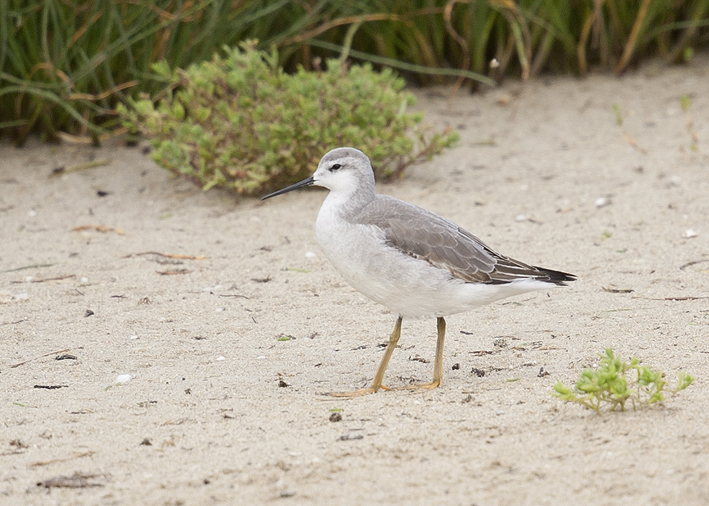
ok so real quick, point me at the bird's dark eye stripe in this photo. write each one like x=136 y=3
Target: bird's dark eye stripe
x=335 y=167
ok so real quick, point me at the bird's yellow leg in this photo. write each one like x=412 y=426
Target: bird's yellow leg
x=438 y=364
x=379 y=377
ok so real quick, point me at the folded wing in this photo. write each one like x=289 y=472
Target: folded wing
x=429 y=237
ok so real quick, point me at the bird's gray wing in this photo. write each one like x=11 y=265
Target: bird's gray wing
x=429 y=237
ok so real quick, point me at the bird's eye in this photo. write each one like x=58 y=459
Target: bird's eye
x=335 y=167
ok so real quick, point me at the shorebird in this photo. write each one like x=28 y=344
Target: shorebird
x=410 y=260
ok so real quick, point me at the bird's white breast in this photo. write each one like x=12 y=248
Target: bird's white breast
x=409 y=286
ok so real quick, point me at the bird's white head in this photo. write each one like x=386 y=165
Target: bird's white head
x=343 y=171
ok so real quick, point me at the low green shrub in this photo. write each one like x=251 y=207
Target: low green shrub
x=240 y=122
x=615 y=382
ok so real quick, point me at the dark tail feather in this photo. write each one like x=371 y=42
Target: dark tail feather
x=556 y=277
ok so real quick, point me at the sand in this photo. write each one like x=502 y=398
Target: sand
x=229 y=352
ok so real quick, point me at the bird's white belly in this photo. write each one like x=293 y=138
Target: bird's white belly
x=409 y=286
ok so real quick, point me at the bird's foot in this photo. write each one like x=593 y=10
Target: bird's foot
x=358 y=393
x=422 y=386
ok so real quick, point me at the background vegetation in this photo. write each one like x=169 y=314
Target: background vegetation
x=66 y=64
x=239 y=121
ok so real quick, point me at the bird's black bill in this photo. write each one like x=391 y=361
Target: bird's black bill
x=301 y=184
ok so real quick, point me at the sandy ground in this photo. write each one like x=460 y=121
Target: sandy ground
x=210 y=344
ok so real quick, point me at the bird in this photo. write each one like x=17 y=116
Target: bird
x=416 y=263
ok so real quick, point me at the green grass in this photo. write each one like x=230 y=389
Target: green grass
x=66 y=64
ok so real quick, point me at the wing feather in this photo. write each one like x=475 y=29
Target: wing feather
x=429 y=237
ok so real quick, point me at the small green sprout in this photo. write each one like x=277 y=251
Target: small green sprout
x=686 y=102
x=688 y=54
x=296 y=269
x=618 y=114
x=616 y=382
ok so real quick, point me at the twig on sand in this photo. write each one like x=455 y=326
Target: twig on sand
x=98 y=228
x=166 y=255
x=79 y=167
x=683 y=267
x=33 y=266
x=58 y=278
x=63 y=459
x=174 y=272
x=690 y=297
x=35 y=358
x=77 y=480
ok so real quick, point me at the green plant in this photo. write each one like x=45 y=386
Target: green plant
x=686 y=103
x=615 y=382
x=241 y=122
x=66 y=64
